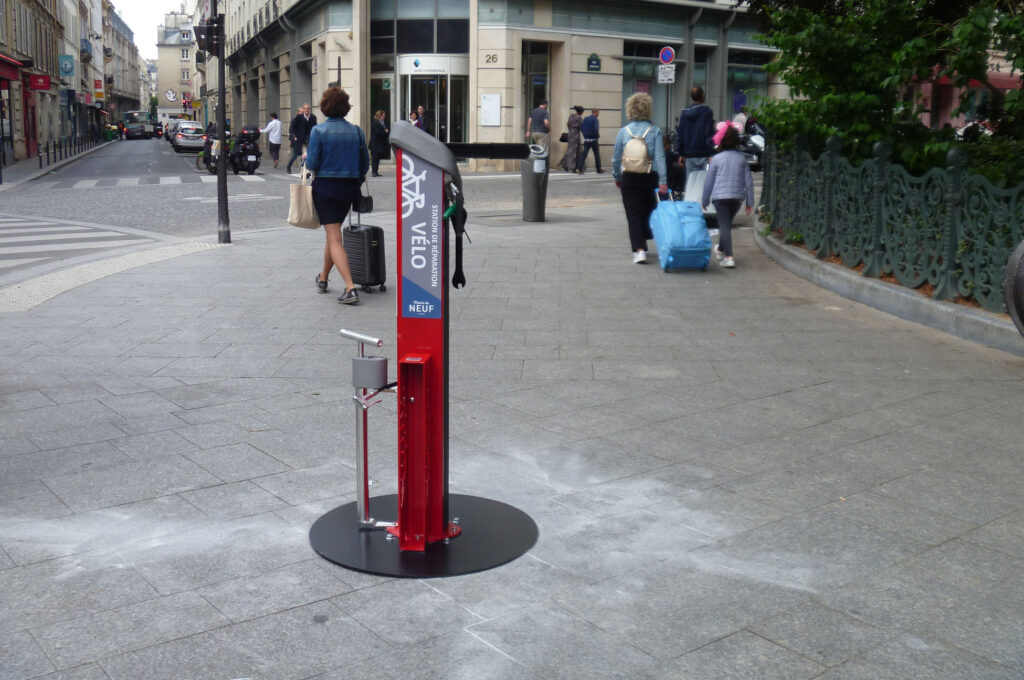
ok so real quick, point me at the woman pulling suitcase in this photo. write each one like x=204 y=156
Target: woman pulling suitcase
x=337 y=154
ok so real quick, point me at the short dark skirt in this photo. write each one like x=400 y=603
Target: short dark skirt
x=333 y=197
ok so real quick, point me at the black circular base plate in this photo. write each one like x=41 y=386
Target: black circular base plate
x=493 y=533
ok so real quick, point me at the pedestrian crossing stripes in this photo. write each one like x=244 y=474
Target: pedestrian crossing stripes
x=25 y=242
x=149 y=180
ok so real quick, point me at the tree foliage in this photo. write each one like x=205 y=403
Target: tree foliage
x=852 y=65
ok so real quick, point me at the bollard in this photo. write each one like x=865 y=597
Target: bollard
x=534 y=173
x=1013 y=287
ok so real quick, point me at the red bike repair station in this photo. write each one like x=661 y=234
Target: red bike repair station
x=434 y=533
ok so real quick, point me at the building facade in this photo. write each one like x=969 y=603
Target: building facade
x=62 y=62
x=176 y=51
x=480 y=66
x=121 y=65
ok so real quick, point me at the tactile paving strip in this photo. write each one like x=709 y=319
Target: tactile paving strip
x=27 y=294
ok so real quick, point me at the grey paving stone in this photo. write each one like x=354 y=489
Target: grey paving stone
x=494 y=594
x=22 y=658
x=669 y=608
x=140 y=405
x=555 y=645
x=890 y=515
x=90 y=671
x=311 y=483
x=211 y=435
x=815 y=551
x=741 y=656
x=85 y=434
x=127 y=629
x=458 y=655
x=230 y=501
x=967 y=495
x=276 y=590
x=15 y=446
x=789 y=448
x=22 y=400
x=236 y=462
x=716 y=512
x=153 y=444
x=94 y=458
x=213 y=552
x=1005 y=534
x=149 y=424
x=626 y=542
x=57 y=590
x=129 y=481
x=291 y=645
x=820 y=634
x=32 y=539
x=800 y=486
x=29 y=500
x=405 y=611
x=915 y=657
x=58 y=417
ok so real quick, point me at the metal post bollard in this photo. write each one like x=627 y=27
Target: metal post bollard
x=369 y=378
x=534 y=172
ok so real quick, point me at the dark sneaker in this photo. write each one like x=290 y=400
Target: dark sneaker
x=321 y=285
x=351 y=297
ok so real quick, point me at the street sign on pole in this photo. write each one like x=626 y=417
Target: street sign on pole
x=666 y=73
x=667 y=55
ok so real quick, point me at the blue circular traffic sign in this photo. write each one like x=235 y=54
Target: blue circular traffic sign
x=667 y=55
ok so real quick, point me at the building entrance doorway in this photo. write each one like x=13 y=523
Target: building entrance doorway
x=439 y=84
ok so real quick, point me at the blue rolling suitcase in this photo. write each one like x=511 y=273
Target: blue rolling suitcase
x=681 y=235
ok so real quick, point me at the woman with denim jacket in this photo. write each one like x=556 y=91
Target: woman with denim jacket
x=337 y=154
x=638 y=197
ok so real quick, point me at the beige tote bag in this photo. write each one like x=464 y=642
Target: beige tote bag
x=301 y=211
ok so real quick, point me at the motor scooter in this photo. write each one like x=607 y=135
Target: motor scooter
x=752 y=145
x=246 y=153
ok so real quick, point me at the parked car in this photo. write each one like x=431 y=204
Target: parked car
x=188 y=135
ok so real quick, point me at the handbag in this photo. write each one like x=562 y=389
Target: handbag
x=564 y=138
x=301 y=211
x=364 y=204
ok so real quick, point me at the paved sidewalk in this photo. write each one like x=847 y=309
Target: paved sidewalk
x=28 y=169
x=736 y=474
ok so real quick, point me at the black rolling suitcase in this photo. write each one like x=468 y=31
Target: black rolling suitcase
x=365 y=249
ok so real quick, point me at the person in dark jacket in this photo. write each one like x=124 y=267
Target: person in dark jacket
x=591 y=130
x=695 y=131
x=378 y=140
x=298 y=133
x=426 y=119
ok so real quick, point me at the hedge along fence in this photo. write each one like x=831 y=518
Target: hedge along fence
x=948 y=228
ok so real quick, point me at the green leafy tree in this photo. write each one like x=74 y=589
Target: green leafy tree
x=852 y=65
x=153 y=101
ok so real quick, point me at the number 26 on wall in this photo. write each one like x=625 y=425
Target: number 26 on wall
x=490 y=58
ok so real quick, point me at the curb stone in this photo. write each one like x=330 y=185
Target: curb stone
x=964 y=322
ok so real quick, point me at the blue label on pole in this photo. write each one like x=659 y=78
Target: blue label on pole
x=667 y=55
x=422 y=229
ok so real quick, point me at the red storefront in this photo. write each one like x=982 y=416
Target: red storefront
x=10 y=71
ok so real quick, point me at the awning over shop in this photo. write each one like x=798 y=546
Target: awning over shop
x=9 y=67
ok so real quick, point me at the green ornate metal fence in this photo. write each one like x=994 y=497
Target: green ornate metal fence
x=948 y=228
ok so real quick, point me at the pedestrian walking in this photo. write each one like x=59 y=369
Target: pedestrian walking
x=426 y=119
x=694 y=132
x=379 y=132
x=591 y=131
x=571 y=159
x=728 y=183
x=538 y=126
x=299 y=132
x=638 y=165
x=337 y=154
x=273 y=132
